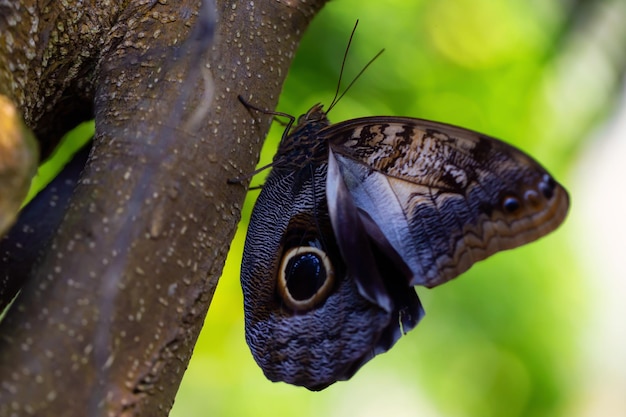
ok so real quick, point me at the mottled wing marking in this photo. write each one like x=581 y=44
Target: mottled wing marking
x=323 y=345
x=448 y=185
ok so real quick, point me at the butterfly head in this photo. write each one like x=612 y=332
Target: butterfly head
x=315 y=118
x=302 y=144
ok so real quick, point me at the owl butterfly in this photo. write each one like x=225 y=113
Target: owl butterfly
x=354 y=214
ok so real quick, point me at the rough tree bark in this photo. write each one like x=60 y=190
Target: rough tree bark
x=106 y=322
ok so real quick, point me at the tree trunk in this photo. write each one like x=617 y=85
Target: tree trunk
x=107 y=320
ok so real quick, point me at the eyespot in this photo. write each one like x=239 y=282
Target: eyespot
x=511 y=204
x=547 y=186
x=532 y=198
x=305 y=277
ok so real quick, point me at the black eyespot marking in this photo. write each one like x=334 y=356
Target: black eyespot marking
x=511 y=204
x=547 y=186
x=305 y=277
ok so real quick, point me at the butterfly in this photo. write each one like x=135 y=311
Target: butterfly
x=353 y=215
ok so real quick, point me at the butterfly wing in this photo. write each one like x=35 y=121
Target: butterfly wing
x=299 y=330
x=443 y=197
x=353 y=214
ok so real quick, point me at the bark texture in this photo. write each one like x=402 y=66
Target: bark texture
x=106 y=321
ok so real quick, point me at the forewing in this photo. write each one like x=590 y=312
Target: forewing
x=443 y=196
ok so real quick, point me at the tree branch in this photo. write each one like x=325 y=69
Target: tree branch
x=107 y=322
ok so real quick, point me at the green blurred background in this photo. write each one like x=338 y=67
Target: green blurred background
x=538 y=331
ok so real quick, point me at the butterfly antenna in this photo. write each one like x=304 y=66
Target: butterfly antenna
x=338 y=97
x=343 y=64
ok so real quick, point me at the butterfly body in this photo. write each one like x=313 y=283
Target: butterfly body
x=354 y=214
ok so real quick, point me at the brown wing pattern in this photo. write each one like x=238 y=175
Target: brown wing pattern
x=445 y=197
